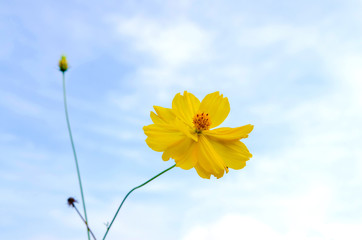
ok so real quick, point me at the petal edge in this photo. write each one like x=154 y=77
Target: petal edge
x=229 y=134
x=216 y=106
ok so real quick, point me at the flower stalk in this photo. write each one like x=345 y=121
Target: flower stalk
x=124 y=199
x=71 y=202
x=74 y=152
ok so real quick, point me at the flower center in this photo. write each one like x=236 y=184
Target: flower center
x=201 y=122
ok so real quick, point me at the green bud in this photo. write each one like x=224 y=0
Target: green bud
x=63 y=64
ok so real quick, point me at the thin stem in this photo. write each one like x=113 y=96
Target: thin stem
x=85 y=222
x=74 y=153
x=119 y=208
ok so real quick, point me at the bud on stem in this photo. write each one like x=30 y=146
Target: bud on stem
x=63 y=64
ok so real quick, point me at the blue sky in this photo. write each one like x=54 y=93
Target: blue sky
x=293 y=69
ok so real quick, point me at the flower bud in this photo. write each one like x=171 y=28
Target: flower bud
x=71 y=201
x=63 y=64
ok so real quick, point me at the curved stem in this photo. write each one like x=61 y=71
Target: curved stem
x=119 y=208
x=74 y=153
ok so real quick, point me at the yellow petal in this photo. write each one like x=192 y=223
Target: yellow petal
x=185 y=107
x=234 y=153
x=208 y=159
x=156 y=119
x=216 y=106
x=202 y=172
x=161 y=136
x=182 y=153
x=229 y=134
x=165 y=114
x=190 y=132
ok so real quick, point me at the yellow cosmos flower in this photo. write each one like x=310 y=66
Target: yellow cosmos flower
x=184 y=133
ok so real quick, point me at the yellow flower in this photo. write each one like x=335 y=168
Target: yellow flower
x=184 y=134
x=63 y=64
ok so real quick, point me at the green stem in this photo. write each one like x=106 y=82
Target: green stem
x=74 y=153
x=124 y=199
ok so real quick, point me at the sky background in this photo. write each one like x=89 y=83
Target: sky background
x=291 y=68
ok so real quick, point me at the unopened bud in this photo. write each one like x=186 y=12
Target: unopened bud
x=63 y=64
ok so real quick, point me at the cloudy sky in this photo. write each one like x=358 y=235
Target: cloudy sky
x=292 y=69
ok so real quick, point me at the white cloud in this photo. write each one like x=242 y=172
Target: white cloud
x=170 y=43
x=233 y=226
x=294 y=38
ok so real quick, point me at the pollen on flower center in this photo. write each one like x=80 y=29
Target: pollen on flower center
x=201 y=122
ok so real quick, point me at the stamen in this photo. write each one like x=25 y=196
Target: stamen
x=201 y=122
